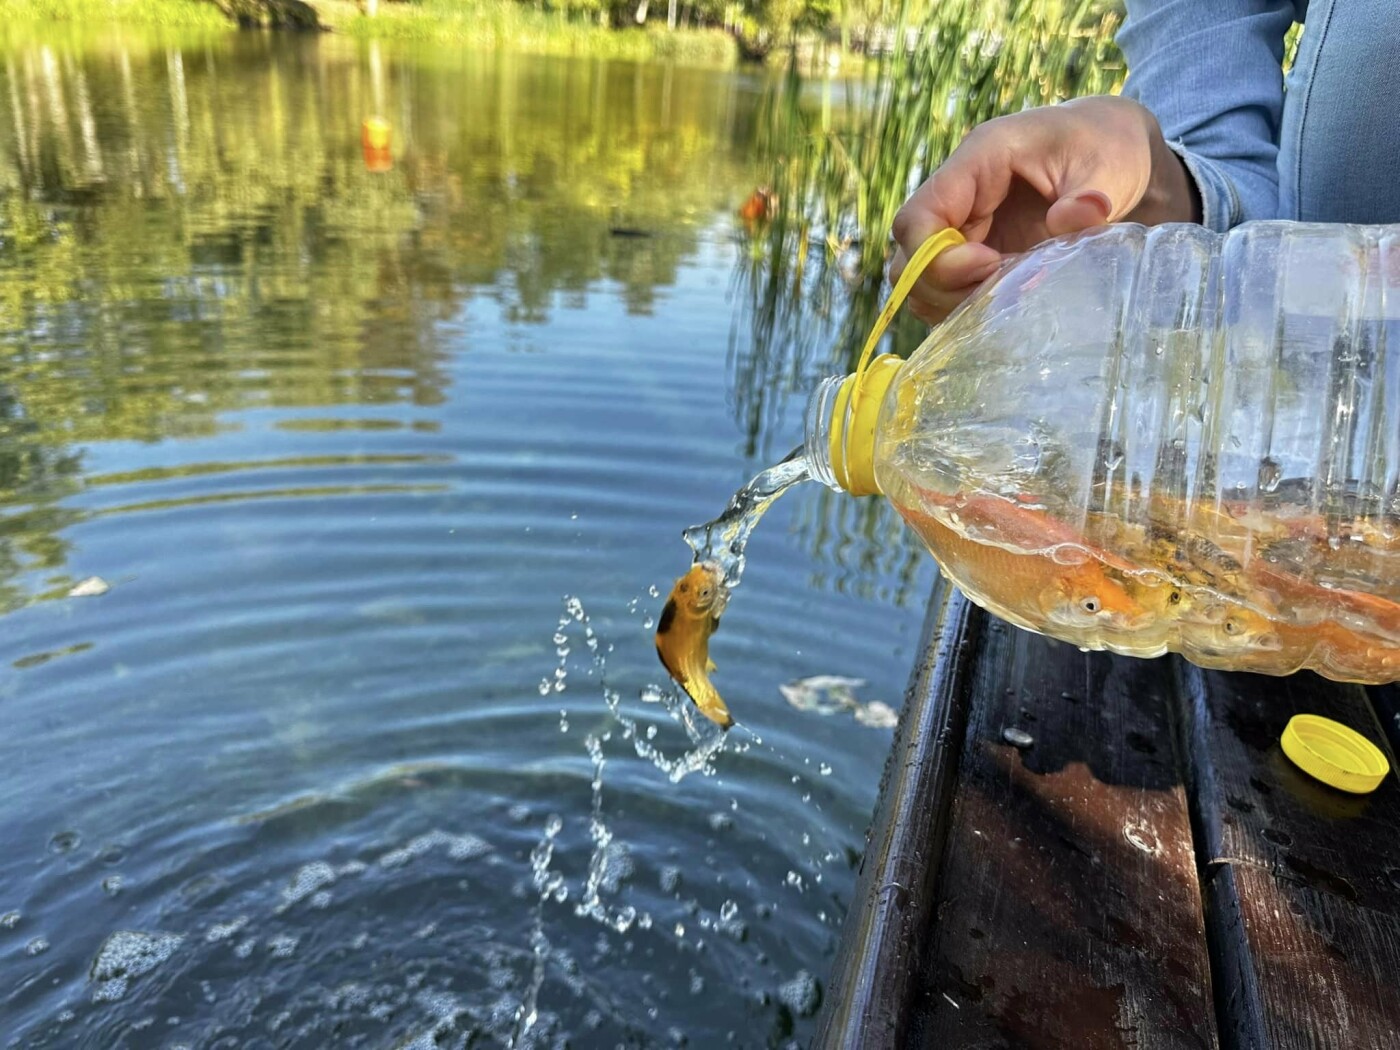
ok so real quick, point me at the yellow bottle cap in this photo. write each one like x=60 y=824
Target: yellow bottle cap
x=852 y=443
x=1334 y=754
x=857 y=406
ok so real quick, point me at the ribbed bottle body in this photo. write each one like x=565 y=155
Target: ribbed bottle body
x=1152 y=439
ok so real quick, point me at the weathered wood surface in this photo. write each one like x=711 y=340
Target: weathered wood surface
x=891 y=916
x=1051 y=896
x=1303 y=882
x=1069 y=911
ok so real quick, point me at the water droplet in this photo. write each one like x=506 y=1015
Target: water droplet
x=728 y=910
x=653 y=591
x=824 y=770
x=648 y=623
x=1017 y=737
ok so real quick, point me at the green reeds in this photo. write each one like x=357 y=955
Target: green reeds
x=840 y=170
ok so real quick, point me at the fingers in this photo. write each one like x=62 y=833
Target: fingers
x=1078 y=211
x=949 y=279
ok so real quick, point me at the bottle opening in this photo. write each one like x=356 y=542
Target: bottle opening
x=840 y=442
x=817 y=446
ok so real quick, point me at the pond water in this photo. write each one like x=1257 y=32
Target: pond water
x=386 y=472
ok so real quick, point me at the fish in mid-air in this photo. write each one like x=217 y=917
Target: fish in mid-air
x=691 y=614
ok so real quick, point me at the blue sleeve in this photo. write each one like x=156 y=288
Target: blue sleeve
x=1211 y=71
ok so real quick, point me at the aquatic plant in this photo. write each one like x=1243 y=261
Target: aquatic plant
x=839 y=174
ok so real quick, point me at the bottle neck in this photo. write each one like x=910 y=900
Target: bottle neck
x=821 y=409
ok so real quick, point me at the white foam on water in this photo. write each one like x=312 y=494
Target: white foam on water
x=459 y=847
x=222 y=931
x=283 y=946
x=309 y=879
x=126 y=955
x=801 y=995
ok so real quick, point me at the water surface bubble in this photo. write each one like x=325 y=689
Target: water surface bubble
x=38 y=946
x=64 y=842
x=112 y=885
x=9 y=920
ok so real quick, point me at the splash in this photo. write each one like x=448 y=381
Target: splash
x=724 y=539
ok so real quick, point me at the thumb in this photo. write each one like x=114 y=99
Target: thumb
x=1078 y=211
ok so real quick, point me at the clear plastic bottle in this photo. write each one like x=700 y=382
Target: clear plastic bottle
x=1159 y=439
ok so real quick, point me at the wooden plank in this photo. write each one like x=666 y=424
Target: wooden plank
x=871 y=982
x=1303 y=881
x=1325 y=969
x=1069 y=911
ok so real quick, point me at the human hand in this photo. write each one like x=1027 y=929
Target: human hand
x=1020 y=179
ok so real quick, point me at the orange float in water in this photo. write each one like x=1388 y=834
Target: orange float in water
x=374 y=134
x=378 y=161
x=759 y=207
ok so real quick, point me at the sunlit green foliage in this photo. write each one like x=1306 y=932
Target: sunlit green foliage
x=183 y=13
x=841 y=169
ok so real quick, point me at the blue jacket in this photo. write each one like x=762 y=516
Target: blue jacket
x=1324 y=147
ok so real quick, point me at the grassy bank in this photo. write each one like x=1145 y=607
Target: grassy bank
x=484 y=24
x=192 y=14
x=509 y=25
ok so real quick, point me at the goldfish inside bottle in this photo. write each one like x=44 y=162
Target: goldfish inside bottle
x=1157 y=440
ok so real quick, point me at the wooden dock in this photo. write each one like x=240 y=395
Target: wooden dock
x=1088 y=851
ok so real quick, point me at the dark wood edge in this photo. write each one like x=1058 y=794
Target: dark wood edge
x=890 y=918
x=1239 y=1010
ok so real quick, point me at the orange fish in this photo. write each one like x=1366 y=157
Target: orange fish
x=1078 y=594
x=1361 y=647
x=691 y=614
x=1367 y=608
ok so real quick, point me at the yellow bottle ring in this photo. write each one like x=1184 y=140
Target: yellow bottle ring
x=1334 y=754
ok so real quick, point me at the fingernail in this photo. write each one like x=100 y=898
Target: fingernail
x=1097 y=200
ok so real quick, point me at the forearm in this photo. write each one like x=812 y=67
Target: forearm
x=1211 y=73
